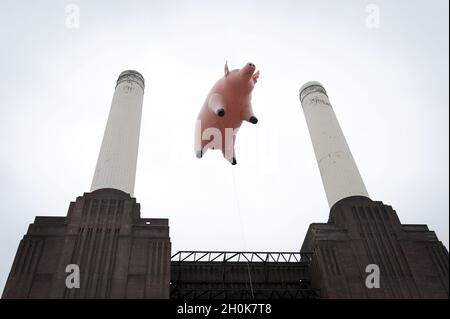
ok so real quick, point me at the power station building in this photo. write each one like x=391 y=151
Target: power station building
x=362 y=251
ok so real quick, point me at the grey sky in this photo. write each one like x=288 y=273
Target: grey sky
x=388 y=86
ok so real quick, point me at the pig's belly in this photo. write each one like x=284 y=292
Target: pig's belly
x=210 y=120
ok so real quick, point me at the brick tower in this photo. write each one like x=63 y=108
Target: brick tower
x=361 y=233
x=118 y=253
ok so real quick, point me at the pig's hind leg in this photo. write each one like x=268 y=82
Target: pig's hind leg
x=229 y=153
x=199 y=142
x=231 y=159
x=201 y=150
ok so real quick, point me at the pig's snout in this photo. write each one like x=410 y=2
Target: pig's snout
x=249 y=68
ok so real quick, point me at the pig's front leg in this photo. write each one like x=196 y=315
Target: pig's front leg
x=216 y=104
x=247 y=115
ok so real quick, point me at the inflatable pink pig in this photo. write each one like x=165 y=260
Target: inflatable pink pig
x=226 y=106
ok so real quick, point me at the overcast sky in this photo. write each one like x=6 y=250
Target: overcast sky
x=385 y=67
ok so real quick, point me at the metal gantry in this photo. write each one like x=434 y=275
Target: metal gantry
x=241 y=256
x=241 y=275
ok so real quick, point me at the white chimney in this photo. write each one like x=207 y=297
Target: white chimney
x=116 y=165
x=340 y=175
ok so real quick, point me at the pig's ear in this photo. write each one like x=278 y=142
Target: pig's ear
x=226 y=69
x=256 y=76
